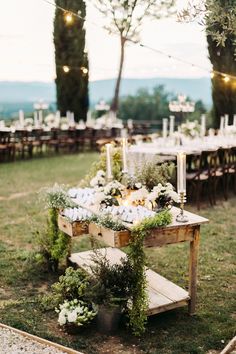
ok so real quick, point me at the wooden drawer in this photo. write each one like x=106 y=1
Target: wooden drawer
x=75 y=228
x=112 y=238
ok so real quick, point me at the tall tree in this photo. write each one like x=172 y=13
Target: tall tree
x=219 y=18
x=125 y=17
x=71 y=58
x=222 y=55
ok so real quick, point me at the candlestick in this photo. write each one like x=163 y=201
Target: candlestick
x=172 y=125
x=124 y=155
x=181 y=172
x=181 y=217
x=109 y=162
x=164 y=127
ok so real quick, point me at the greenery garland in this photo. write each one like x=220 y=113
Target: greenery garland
x=137 y=257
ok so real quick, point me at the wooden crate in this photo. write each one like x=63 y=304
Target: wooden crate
x=75 y=228
x=110 y=237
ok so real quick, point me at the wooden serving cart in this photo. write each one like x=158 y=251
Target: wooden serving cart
x=163 y=294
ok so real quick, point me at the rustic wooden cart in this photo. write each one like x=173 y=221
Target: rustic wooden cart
x=163 y=294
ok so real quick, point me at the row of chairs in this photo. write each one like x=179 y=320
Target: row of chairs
x=22 y=143
x=210 y=173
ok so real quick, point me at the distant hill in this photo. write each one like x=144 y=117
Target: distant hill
x=21 y=95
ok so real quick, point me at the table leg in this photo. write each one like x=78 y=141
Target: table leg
x=194 y=246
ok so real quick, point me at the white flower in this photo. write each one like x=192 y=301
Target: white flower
x=72 y=316
x=139 y=195
x=138 y=185
x=61 y=319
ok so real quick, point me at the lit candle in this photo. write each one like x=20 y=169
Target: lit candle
x=124 y=155
x=164 y=127
x=172 y=125
x=21 y=118
x=181 y=172
x=109 y=161
x=226 y=121
x=203 y=125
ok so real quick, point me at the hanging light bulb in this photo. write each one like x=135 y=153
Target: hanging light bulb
x=84 y=70
x=68 y=18
x=66 y=69
x=226 y=79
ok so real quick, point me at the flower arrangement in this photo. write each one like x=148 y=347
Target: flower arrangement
x=138 y=197
x=99 y=180
x=74 y=311
x=162 y=196
x=190 y=129
x=57 y=197
x=114 y=189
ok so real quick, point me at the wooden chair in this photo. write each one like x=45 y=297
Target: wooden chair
x=200 y=173
x=6 y=146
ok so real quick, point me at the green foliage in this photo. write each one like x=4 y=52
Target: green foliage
x=153 y=105
x=113 y=284
x=101 y=165
x=223 y=95
x=151 y=174
x=56 y=197
x=54 y=244
x=72 y=285
x=69 y=41
x=108 y=222
x=136 y=255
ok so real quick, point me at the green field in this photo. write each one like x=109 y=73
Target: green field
x=22 y=281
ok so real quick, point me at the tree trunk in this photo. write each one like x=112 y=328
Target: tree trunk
x=115 y=101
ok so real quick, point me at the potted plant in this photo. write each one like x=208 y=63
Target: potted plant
x=111 y=291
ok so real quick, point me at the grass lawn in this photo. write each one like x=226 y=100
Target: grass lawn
x=22 y=282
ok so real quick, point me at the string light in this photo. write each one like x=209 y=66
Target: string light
x=66 y=69
x=227 y=77
x=68 y=17
x=84 y=70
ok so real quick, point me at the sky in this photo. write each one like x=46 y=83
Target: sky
x=27 y=51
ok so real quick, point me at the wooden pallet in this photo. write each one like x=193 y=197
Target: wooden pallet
x=163 y=295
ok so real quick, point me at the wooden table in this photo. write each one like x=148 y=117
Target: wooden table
x=163 y=294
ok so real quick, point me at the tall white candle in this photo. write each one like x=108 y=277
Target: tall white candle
x=124 y=155
x=109 y=161
x=203 y=125
x=58 y=118
x=40 y=117
x=172 y=125
x=234 y=123
x=226 y=121
x=36 y=123
x=181 y=172
x=164 y=127
x=222 y=123
x=21 y=118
